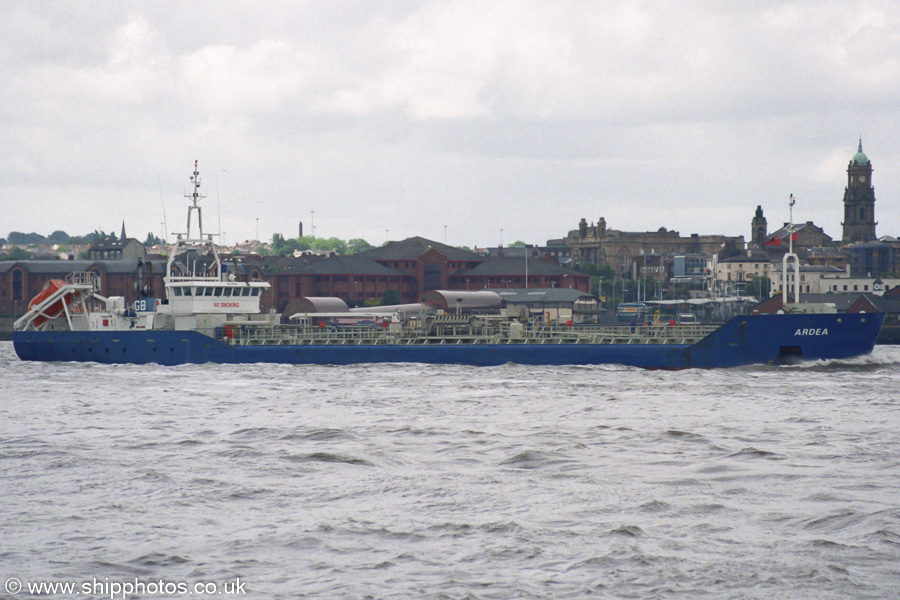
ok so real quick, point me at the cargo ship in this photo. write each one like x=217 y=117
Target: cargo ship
x=210 y=315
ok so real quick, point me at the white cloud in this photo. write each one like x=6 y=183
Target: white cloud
x=529 y=113
x=258 y=78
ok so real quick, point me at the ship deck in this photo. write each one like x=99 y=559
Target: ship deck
x=458 y=334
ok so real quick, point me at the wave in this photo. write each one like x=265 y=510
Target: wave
x=880 y=358
x=754 y=453
x=328 y=457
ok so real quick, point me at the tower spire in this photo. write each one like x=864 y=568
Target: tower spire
x=859 y=200
x=122 y=238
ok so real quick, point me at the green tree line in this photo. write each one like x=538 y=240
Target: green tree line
x=61 y=237
x=281 y=245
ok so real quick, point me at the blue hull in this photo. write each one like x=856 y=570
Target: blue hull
x=758 y=339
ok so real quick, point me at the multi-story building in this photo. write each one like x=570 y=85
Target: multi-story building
x=874 y=259
x=412 y=267
x=740 y=270
x=113 y=248
x=22 y=280
x=598 y=245
x=801 y=235
x=814 y=279
x=828 y=255
x=846 y=283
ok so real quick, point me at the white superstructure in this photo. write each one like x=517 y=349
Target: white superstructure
x=200 y=294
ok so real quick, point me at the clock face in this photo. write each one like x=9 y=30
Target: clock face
x=862 y=178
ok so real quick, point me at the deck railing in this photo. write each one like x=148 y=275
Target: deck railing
x=458 y=333
x=84 y=278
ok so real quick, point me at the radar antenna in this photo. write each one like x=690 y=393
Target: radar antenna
x=195 y=197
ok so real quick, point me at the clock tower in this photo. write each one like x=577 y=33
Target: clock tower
x=758 y=227
x=859 y=200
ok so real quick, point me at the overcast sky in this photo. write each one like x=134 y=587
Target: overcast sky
x=474 y=115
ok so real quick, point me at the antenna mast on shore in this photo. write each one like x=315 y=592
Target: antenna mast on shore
x=163 y=202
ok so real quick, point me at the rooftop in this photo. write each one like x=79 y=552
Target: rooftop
x=414 y=247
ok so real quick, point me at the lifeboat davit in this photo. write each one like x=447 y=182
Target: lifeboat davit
x=55 y=309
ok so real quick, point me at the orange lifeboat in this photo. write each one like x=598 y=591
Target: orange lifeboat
x=54 y=310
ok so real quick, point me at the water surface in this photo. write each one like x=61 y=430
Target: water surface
x=414 y=481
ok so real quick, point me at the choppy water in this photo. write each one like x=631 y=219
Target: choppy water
x=411 y=481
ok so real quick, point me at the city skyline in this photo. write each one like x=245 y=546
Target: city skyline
x=448 y=120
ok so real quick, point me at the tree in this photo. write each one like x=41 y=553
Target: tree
x=604 y=271
x=357 y=245
x=280 y=245
x=682 y=291
x=587 y=269
x=59 y=237
x=152 y=240
x=517 y=244
x=390 y=297
x=17 y=254
x=24 y=239
x=758 y=287
x=333 y=244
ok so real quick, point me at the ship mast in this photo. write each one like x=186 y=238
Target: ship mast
x=792 y=260
x=195 y=198
x=191 y=245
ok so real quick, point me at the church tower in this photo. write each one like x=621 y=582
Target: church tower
x=859 y=200
x=758 y=228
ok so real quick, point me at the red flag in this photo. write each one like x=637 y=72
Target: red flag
x=774 y=242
